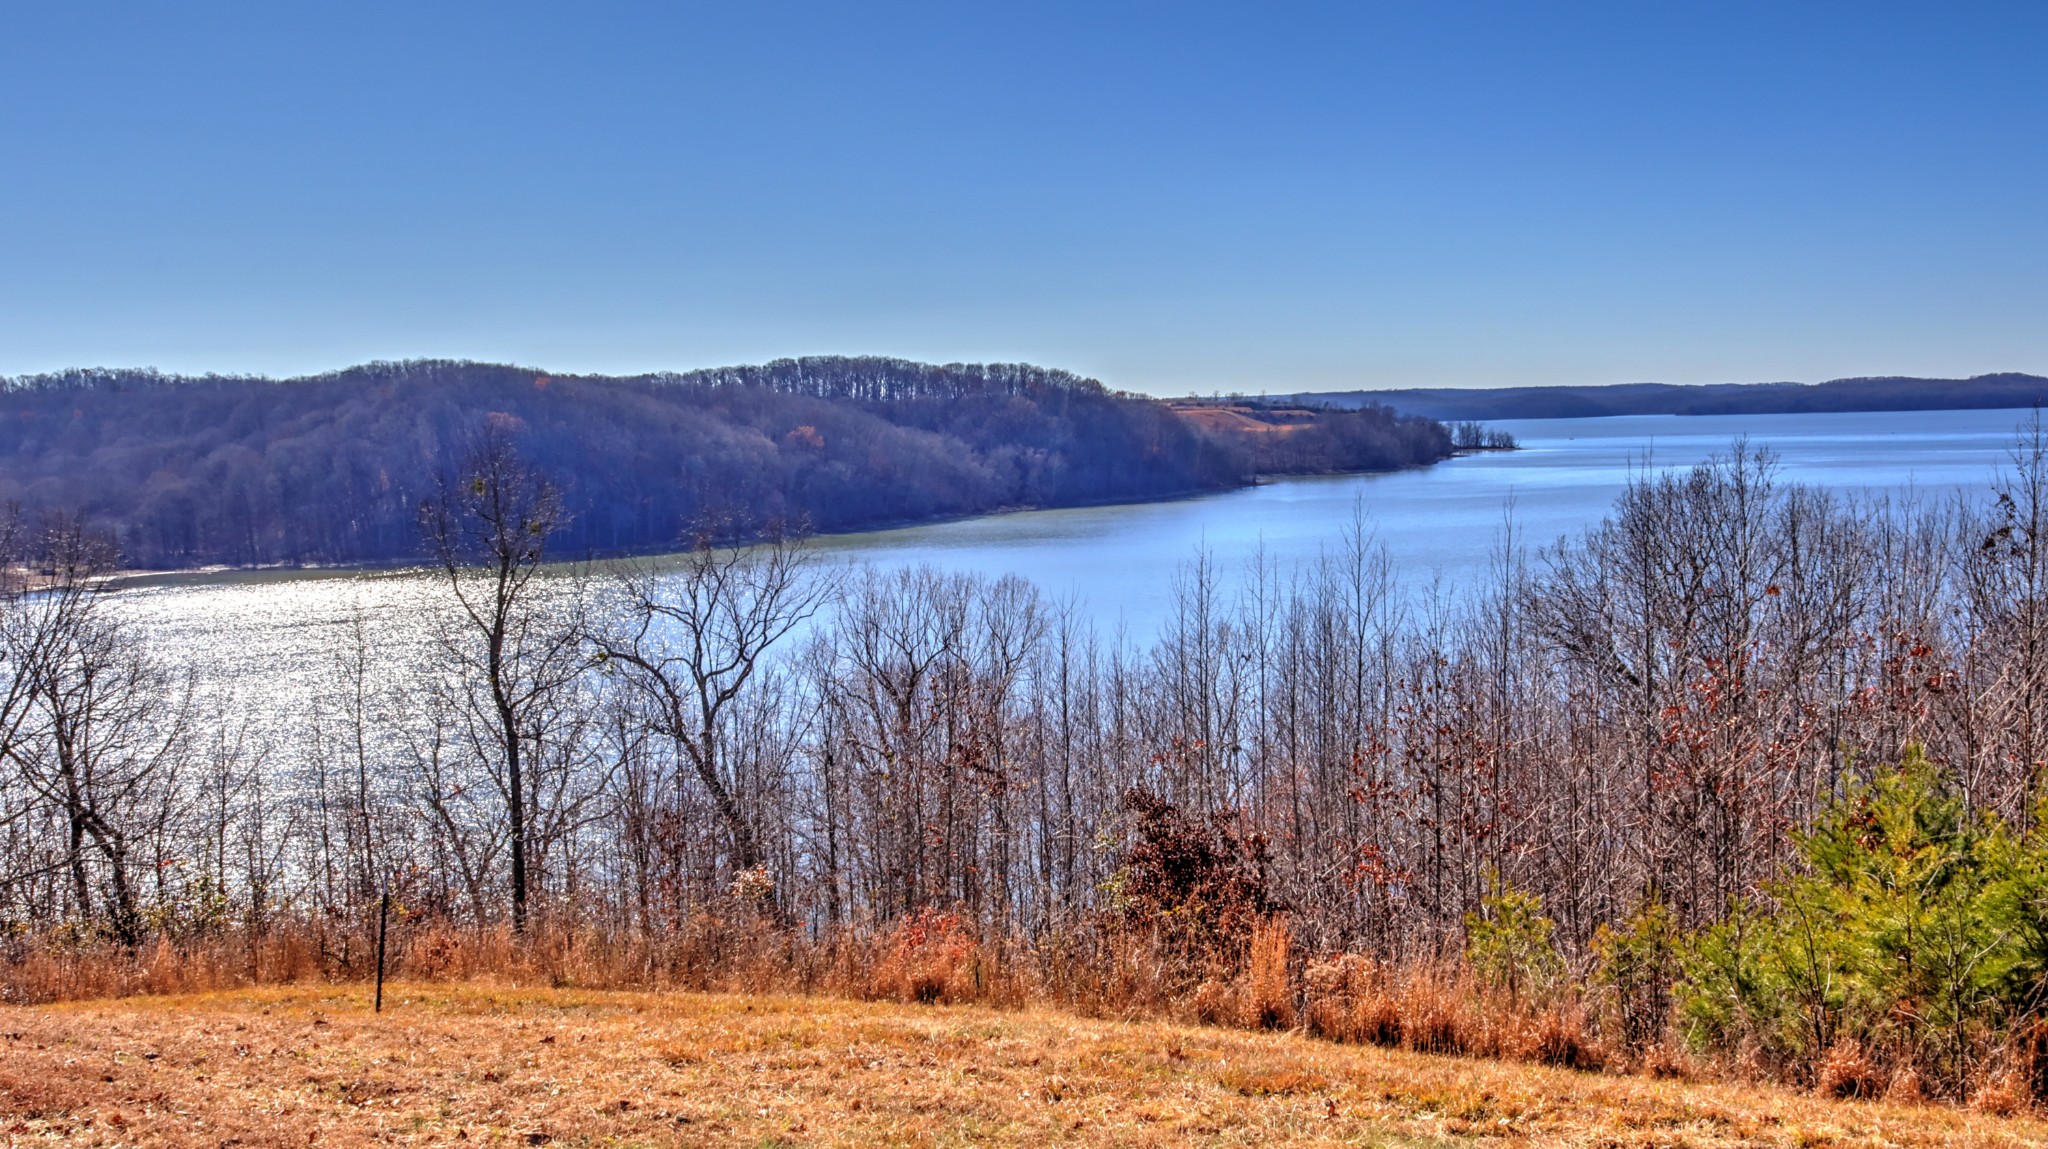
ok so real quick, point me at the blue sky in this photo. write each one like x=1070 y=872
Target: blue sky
x=1170 y=197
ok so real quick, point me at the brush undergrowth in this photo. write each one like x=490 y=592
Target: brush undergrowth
x=1905 y=958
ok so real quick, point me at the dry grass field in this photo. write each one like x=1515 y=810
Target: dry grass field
x=474 y=1065
x=1244 y=420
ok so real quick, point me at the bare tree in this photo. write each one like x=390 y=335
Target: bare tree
x=692 y=637
x=92 y=726
x=509 y=646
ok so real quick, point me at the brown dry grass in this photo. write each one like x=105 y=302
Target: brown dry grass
x=476 y=1065
x=1243 y=421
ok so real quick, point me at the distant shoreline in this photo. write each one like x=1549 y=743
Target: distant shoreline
x=2012 y=390
x=145 y=578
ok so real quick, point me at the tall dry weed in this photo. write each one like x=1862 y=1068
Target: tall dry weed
x=1269 y=989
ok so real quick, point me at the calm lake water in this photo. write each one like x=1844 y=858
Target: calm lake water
x=265 y=639
x=1441 y=524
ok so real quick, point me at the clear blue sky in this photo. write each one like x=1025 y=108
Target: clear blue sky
x=1170 y=196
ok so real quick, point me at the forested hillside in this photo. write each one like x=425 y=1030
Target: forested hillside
x=184 y=471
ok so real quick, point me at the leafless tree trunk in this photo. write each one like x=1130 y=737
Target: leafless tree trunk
x=92 y=726
x=489 y=527
x=691 y=639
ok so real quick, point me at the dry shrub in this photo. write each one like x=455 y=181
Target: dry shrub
x=2018 y=1077
x=1665 y=1062
x=433 y=955
x=1195 y=884
x=1557 y=1036
x=711 y=953
x=443 y=951
x=33 y=975
x=284 y=957
x=930 y=957
x=737 y=953
x=1494 y=1016
x=64 y=969
x=1356 y=999
x=1351 y=998
x=1376 y=1013
x=1214 y=1002
x=1847 y=1071
x=1130 y=974
x=1432 y=1008
x=1437 y=1009
x=1751 y=1062
x=2029 y=1057
x=2003 y=1094
x=1907 y=1087
x=1330 y=991
x=1269 y=994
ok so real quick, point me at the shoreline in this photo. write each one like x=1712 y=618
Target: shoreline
x=146 y=579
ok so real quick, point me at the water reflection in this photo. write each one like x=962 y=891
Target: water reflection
x=262 y=643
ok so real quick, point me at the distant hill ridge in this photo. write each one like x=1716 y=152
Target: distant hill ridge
x=1883 y=393
x=827 y=376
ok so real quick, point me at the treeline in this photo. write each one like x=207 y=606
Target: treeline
x=1891 y=393
x=1474 y=436
x=333 y=468
x=1745 y=775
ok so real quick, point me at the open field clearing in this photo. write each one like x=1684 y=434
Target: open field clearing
x=479 y=1066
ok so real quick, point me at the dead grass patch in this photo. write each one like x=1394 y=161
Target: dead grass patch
x=475 y=1064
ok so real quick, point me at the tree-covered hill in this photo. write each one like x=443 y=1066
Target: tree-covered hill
x=331 y=468
x=1889 y=393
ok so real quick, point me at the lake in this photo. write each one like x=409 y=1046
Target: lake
x=1443 y=522
x=263 y=639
